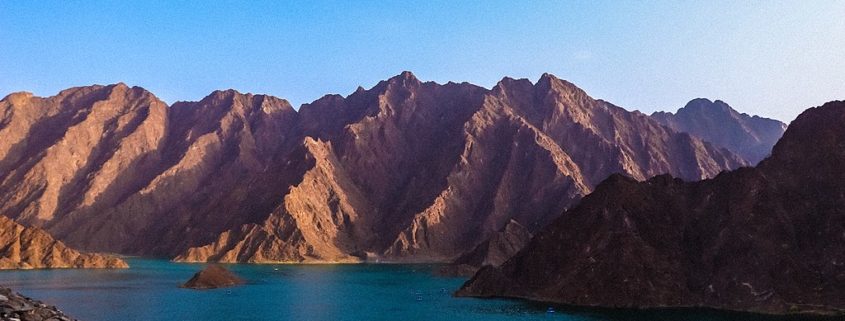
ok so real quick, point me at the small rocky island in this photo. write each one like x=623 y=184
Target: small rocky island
x=212 y=277
x=14 y=306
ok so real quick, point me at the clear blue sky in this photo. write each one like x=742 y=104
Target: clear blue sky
x=770 y=58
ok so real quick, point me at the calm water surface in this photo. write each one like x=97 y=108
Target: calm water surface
x=149 y=291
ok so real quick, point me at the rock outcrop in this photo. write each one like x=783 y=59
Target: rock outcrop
x=32 y=248
x=14 y=306
x=494 y=251
x=404 y=171
x=769 y=239
x=751 y=137
x=212 y=277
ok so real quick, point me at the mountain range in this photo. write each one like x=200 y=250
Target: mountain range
x=406 y=171
x=765 y=239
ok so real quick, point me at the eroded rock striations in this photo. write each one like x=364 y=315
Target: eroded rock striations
x=33 y=248
x=404 y=171
x=768 y=239
x=114 y=169
x=751 y=137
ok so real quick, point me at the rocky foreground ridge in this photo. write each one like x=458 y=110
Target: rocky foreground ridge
x=32 y=248
x=14 y=306
x=404 y=171
x=768 y=239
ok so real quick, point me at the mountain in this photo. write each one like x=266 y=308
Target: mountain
x=494 y=251
x=404 y=171
x=112 y=168
x=767 y=239
x=32 y=248
x=417 y=171
x=751 y=137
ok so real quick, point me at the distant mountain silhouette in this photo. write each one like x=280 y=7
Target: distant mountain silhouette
x=751 y=137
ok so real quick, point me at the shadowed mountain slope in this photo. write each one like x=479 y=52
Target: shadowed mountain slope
x=766 y=239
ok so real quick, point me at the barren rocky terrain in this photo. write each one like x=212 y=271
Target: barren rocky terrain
x=767 y=239
x=404 y=171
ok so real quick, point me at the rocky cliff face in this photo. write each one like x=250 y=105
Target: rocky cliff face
x=416 y=171
x=751 y=137
x=114 y=169
x=406 y=170
x=766 y=239
x=33 y=248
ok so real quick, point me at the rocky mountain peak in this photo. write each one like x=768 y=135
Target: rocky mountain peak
x=508 y=84
x=704 y=105
x=549 y=83
x=406 y=80
x=716 y=122
x=824 y=126
x=18 y=98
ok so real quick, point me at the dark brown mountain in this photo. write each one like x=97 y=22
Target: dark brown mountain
x=751 y=137
x=32 y=248
x=768 y=239
x=407 y=170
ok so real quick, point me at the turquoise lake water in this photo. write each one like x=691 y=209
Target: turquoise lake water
x=150 y=291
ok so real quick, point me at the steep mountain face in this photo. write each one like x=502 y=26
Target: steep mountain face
x=751 y=137
x=32 y=248
x=766 y=239
x=114 y=169
x=417 y=171
x=407 y=170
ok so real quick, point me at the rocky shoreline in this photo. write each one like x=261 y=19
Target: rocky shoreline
x=16 y=307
